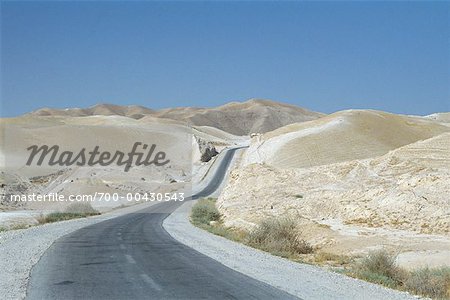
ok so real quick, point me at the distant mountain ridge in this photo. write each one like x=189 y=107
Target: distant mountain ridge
x=131 y=111
x=239 y=118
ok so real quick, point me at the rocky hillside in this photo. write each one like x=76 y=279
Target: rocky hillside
x=253 y=116
x=406 y=188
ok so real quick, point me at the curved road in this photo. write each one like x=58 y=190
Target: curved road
x=133 y=257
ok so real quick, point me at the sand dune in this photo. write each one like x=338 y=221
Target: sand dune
x=236 y=118
x=342 y=136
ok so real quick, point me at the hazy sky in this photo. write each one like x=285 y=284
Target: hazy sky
x=393 y=56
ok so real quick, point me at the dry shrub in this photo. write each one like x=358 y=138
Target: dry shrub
x=205 y=211
x=379 y=267
x=81 y=208
x=278 y=236
x=434 y=283
x=73 y=211
x=335 y=259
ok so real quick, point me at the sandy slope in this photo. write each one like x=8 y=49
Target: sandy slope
x=342 y=136
x=238 y=118
x=440 y=117
x=111 y=133
x=398 y=200
x=108 y=132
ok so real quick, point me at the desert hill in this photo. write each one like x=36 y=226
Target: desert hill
x=397 y=201
x=252 y=116
x=440 y=117
x=237 y=118
x=182 y=144
x=342 y=136
x=131 y=111
x=404 y=189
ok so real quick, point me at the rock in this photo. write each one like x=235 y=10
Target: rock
x=208 y=154
x=207 y=150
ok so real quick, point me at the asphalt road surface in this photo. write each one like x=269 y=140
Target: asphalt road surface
x=133 y=257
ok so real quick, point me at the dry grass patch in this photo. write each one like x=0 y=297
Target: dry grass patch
x=332 y=259
x=17 y=226
x=380 y=267
x=278 y=236
x=204 y=212
x=205 y=215
x=434 y=283
x=74 y=211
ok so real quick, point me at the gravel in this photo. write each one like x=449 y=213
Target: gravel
x=301 y=280
x=21 y=249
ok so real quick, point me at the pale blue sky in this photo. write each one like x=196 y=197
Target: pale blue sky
x=325 y=56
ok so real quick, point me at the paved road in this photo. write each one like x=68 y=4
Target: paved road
x=133 y=257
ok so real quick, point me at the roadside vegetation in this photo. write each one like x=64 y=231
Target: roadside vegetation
x=74 y=211
x=280 y=236
x=206 y=216
x=277 y=236
x=15 y=227
x=380 y=267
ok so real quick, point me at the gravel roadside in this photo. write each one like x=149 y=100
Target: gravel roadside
x=21 y=249
x=302 y=280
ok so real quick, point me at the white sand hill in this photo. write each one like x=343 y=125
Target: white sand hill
x=342 y=136
x=440 y=117
x=111 y=133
